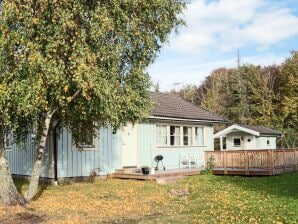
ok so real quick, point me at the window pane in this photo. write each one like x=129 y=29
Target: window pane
x=199 y=136
x=88 y=140
x=174 y=135
x=161 y=135
x=237 y=142
x=187 y=135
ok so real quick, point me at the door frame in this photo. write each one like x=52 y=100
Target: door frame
x=136 y=129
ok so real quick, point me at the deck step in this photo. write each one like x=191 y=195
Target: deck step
x=128 y=170
x=169 y=180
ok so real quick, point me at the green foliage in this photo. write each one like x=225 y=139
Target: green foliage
x=210 y=166
x=83 y=60
x=266 y=96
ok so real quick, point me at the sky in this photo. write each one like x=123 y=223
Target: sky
x=262 y=31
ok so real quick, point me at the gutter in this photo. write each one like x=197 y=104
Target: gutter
x=189 y=120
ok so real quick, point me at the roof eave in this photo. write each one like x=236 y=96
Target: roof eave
x=187 y=119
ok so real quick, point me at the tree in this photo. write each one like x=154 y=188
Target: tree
x=289 y=92
x=83 y=60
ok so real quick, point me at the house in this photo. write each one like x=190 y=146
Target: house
x=174 y=128
x=243 y=137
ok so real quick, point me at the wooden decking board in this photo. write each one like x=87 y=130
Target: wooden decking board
x=168 y=175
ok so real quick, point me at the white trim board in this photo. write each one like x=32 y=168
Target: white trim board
x=230 y=129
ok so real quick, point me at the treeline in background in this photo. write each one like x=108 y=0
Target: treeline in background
x=255 y=95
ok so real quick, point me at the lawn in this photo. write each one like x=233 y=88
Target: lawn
x=207 y=199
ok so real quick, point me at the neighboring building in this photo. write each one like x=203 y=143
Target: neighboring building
x=242 y=137
x=174 y=128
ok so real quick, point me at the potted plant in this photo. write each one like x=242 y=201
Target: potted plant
x=145 y=170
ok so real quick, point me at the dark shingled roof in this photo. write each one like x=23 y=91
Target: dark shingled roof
x=173 y=106
x=261 y=130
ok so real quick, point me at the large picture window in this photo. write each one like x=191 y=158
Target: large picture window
x=175 y=135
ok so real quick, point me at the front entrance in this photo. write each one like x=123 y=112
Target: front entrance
x=129 y=138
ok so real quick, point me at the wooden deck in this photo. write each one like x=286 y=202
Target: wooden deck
x=160 y=176
x=253 y=162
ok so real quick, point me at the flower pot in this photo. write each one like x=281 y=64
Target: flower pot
x=145 y=170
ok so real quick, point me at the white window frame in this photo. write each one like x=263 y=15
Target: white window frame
x=203 y=136
x=181 y=145
x=234 y=142
x=268 y=142
x=166 y=136
x=95 y=145
x=175 y=135
x=189 y=137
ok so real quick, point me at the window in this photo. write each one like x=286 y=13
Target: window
x=268 y=142
x=187 y=136
x=89 y=141
x=237 y=142
x=199 y=136
x=8 y=140
x=161 y=131
x=174 y=135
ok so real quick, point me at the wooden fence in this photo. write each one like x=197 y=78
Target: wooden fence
x=253 y=162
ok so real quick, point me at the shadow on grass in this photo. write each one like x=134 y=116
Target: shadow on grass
x=22 y=186
x=284 y=185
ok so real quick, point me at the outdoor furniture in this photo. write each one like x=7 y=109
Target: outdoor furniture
x=188 y=161
x=193 y=162
x=184 y=161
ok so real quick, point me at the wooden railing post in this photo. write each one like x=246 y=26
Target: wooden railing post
x=206 y=158
x=225 y=162
x=246 y=159
x=270 y=161
x=283 y=161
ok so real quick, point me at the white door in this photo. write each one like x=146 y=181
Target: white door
x=129 y=145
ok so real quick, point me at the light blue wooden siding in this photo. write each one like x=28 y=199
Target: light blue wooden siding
x=21 y=158
x=148 y=148
x=74 y=163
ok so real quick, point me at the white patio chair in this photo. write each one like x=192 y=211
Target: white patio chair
x=184 y=161
x=193 y=161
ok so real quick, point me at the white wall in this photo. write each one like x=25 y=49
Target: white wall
x=262 y=142
x=255 y=141
x=148 y=148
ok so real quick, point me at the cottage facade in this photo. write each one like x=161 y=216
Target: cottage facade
x=247 y=137
x=174 y=128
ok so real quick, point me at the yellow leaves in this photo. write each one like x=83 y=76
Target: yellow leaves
x=66 y=88
x=68 y=99
x=35 y=20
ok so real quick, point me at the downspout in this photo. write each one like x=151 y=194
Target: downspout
x=55 y=155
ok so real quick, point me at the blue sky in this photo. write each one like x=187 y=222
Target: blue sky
x=263 y=31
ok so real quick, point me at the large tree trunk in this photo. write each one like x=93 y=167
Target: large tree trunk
x=8 y=191
x=33 y=186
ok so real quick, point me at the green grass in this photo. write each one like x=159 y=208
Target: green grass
x=229 y=199
x=212 y=199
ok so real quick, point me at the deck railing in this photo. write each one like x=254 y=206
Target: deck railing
x=253 y=162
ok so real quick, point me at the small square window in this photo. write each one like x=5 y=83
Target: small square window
x=88 y=141
x=237 y=142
